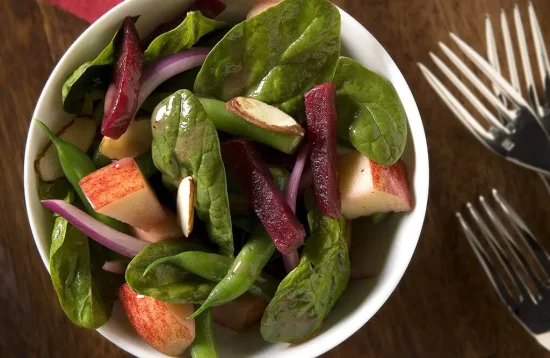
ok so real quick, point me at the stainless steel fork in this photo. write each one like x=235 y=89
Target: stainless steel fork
x=519 y=130
x=529 y=305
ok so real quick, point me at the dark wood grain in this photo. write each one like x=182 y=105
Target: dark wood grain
x=443 y=307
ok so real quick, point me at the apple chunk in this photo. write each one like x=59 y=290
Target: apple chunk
x=367 y=187
x=121 y=191
x=162 y=325
x=134 y=142
x=240 y=314
x=80 y=132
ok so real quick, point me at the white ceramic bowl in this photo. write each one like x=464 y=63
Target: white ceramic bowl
x=386 y=248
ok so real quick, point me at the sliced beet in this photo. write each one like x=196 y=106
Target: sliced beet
x=122 y=97
x=208 y=8
x=246 y=164
x=321 y=133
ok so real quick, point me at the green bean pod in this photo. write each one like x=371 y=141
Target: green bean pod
x=244 y=271
x=214 y=267
x=229 y=122
x=203 y=345
x=76 y=165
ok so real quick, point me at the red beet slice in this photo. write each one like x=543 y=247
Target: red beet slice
x=208 y=8
x=246 y=164
x=122 y=97
x=321 y=132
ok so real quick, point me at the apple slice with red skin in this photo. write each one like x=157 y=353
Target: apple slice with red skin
x=321 y=130
x=246 y=164
x=367 y=187
x=121 y=99
x=164 y=326
x=120 y=191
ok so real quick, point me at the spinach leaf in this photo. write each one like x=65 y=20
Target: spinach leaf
x=370 y=113
x=308 y=293
x=186 y=143
x=188 y=33
x=59 y=189
x=71 y=270
x=91 y=75
x=275 y=56
x=166 y=282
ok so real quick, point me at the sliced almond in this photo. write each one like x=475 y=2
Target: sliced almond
x=186 y=205
x=265 y=116
x=80 y=132
x=134 y=142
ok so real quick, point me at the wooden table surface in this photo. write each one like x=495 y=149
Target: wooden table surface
x=444 y=305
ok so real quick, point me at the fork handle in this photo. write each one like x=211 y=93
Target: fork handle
x=544 y=340
x=546 y=181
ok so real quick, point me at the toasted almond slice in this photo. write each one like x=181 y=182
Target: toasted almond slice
x=134 y=142
x=185 y=204
x=265 y=116
x=80 y=132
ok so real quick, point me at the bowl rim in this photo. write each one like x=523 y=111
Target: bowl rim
x=344 y=328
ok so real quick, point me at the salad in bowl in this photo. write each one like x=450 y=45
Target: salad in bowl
x=211 y=173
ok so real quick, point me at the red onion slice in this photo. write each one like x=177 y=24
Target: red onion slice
x=115 y=267
x=168 y=67
x=291 y=192
x=110 y=238
x=292 y=260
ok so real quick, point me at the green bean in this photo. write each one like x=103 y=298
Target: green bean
x=203 y=345
x=244 y=271
x=214 y=267
x=229 y=122
x=76 y=165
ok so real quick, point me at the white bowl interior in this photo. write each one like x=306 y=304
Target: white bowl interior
x=387 y=248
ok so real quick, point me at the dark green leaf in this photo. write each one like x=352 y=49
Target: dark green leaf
x=94 y=74
x=370 y=113
x=166 y=282
x=275 y=56
x=183 y=37
x=82 y=300
x=59 y=189
x=185 y=143
x=308 y=293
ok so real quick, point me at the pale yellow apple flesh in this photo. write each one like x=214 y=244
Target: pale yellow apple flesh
x=80 y=132
x=240 y=314
x=367 y=187
x=121 y=191
x=162 y=325
x=134 y=142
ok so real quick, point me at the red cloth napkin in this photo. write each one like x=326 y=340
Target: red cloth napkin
x=89 y=10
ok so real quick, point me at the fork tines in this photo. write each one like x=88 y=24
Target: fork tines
x=504 y=246
x=517 y=121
